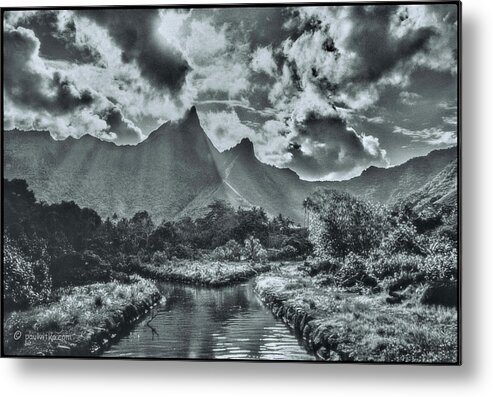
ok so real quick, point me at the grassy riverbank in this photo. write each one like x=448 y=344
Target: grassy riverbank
x=204 y=272
x=338 y=325
x=81 y=321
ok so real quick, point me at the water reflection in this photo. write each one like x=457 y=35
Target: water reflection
x=225 y=323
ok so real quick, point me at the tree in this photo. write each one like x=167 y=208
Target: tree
x=26 y=282
x=341 y=223
x=252 y=222
x=253 y=249
x=217 y=227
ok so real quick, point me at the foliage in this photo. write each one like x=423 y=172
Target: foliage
x=390 y=266
x=78 y=312
x=287 y=252
x=402 y=237
x=79 y=248
x=159 y=258
x=253 y=250
x=231 y=251
x=78 y=269
x=356 y=327
x=208 y=272
x=26 y=282
x=342 y=224
x=440 y=266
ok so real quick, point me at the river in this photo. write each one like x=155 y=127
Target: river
x=205 y=323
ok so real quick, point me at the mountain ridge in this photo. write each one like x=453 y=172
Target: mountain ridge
x=177 y=172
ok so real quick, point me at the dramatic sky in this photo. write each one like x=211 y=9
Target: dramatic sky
x=325 y=91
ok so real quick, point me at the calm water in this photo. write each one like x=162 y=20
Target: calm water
x=225 y=323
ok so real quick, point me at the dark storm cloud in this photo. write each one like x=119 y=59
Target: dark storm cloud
x=126 y=133
x=135 y=32
x=327 y=90
x=258 y=26
x=379 y=51
x=55 y=99
x=58 y=38
x=25 y=84
x=327 y=147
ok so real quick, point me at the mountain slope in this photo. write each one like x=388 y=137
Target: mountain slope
x=441 y=190
x=177 y=172
x=160 y=175
x=388 y=185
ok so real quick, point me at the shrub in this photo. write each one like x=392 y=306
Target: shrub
x=352 y=267
x=342 y=224
x=287 y=252
x=159 y=258
x=383 y=266
x=182 y=251
x=78 y=269
x=253 y=250
x=325 y=266
x=402 y=238
x=440 y=266
x=26 y=283
x=231 y=251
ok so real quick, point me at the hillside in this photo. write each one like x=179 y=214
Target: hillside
x=441 y=190
x=177 y=172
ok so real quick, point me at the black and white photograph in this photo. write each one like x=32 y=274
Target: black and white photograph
x=276 y=183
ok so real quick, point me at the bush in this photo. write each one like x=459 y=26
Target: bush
x=402 y=238
x=26 y=283
x=253 y=250
x=326 y=266
x=159 y=258
x=342 y=224
x=231 y=251
x=383 y=266
x=440 y=266
x=182 y=251
x=353 y=267
x=287 y=252
x=79 y=269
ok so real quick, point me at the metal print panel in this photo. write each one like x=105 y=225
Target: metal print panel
x=232 y=182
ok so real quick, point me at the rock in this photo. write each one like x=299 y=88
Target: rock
x=442 y=293
x=393 y=300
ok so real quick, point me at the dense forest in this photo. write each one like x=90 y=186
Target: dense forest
x=58 y=245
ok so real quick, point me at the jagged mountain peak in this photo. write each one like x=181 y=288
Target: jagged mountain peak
x=190 y=118
x=188 y=123
x=245 y=146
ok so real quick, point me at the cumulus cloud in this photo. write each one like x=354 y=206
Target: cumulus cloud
x=136 y=34
x=327 y=148
x=42 y=98
x=409 y=98
x=225 y=129
x=58 y=33
x=317 y=89
x=263 y=61
x=435 y=136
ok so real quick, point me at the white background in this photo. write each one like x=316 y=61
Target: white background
x=19 y=377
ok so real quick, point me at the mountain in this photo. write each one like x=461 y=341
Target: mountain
x=439 y=191
x=389 y=185
x=161 y=175
x=177 y=172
